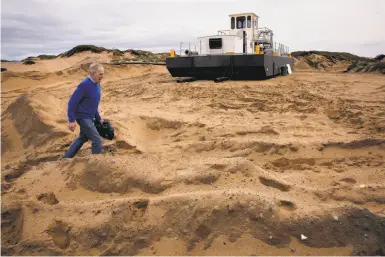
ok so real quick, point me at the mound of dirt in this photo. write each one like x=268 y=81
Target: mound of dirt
x=32 y=123
x=321 y=63
x=120 y=176
x=116 y=54
x=365 y=67
x=100 y=209
x=337 y=62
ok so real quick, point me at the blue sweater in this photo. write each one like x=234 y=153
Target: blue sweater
x=84 y=102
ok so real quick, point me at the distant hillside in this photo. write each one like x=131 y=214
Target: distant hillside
x=332 y=56
x=119 y=55
x=84 y=48
x=338 y=62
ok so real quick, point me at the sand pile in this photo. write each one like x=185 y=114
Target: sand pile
x=337 y=62
x=32 y=125
x=321 y=63
x=288 y=166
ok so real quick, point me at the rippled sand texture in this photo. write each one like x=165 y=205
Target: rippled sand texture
x=292 y=165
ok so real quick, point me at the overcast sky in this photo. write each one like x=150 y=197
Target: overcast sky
x=33 y=27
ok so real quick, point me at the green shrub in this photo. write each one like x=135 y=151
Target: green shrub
x=379 y=57
x=380 y=66
x=83 y=48
x=333 y=56
x=28 y=62
x=117 y=52
x=46 y=57
x=140 y=52
x=352 y=66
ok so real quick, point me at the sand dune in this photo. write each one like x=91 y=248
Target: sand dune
x=288 y=166
x=60 y=63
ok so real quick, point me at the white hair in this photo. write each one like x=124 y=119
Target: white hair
x=94 y=67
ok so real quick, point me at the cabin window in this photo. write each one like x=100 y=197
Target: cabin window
x=232 y=23
x=241 y=22
x=215 y=43
x=249 y=21
x=255 y=23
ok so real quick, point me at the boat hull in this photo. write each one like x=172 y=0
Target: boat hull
x=231 y=66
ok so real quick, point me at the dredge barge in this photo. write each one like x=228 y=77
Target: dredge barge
x=245 y=51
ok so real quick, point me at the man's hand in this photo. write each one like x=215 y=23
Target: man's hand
x=72 y=126
x=101 y=121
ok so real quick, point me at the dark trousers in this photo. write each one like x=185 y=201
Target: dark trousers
x=88 y=131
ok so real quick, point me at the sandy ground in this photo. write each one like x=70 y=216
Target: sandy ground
x=292 y=165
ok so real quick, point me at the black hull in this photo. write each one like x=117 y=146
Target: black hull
x=231 y=66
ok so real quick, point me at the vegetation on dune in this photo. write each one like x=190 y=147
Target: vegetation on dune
x=333 y=56
x=118 y=55
x=46 y=56
x=357 y=63
x=117 y=52
x=28 y=62
x=367 y=67
x=91 y=48
x=380 y=66
x=149 y=57
x=3 y=69
x=83 y=48
x=142 y=56
x=139 y=55
x=380 y=57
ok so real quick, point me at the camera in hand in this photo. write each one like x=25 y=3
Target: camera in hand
x=105 y=129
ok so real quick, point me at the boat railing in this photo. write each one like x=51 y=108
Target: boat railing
x=184 y=46
x=223 y=32
x=281 y=49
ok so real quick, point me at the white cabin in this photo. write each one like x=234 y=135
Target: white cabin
x=242 y=38
x=247 y=22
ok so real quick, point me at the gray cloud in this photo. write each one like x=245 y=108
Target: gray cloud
x=31 y=27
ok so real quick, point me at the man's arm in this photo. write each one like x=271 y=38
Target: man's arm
x=97 y=116
x=74 y=101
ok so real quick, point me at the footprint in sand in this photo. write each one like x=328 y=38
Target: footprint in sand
x=11 y=225
x=287 y=205
x=349 y=180
x=60 y=234
x=48 y=198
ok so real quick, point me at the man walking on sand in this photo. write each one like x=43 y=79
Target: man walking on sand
x=83 y=109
